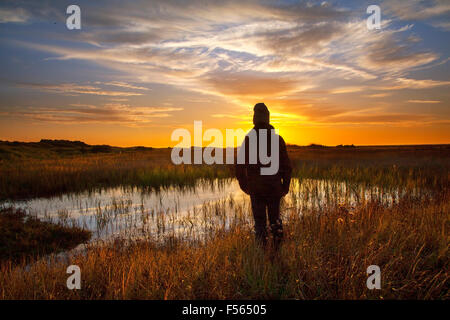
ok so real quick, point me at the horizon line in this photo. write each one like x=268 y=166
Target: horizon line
x=287 y=144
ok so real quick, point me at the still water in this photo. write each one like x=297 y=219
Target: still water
x=191 y=212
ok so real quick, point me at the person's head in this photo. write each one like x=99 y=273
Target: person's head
x=261 y=114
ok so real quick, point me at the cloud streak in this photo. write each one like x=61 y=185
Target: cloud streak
x=77 y=89
x=106 y=114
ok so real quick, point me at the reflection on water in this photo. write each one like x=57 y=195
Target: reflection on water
x=191 y=212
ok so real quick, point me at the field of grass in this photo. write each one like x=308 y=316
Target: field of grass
x=46 y=170
x=324 y=256
x=25 y=176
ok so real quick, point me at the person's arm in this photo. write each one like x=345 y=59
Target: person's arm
x=285 y=167
x=241 y=168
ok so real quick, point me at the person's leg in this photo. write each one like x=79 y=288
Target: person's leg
x=259 y=214
x=276 y=225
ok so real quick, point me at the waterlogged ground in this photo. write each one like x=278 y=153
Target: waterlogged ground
x=190 y=213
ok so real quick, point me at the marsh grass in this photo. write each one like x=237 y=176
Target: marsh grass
x=28 y=177
x=324 y=256
x=24 y=238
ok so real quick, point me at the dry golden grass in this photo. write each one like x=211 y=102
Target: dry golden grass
x=30 y=177
x=27 y=177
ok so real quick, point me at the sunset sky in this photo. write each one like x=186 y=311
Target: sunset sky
x=137 y=70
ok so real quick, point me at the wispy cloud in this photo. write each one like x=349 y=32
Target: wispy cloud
x=424 y=101
x=109 y=113
x=378 y=95
x=122 y=85
x=14 y=15
x=418 y=9
x=346 y=90
x=406 y=83
x=77 y=89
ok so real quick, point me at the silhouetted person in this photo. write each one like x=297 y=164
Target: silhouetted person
x=265 y=191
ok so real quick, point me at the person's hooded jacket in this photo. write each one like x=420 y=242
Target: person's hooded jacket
x=249 y=175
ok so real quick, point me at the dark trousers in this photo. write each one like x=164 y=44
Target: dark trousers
x=263 y=207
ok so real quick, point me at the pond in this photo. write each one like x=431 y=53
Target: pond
x=191 y=212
